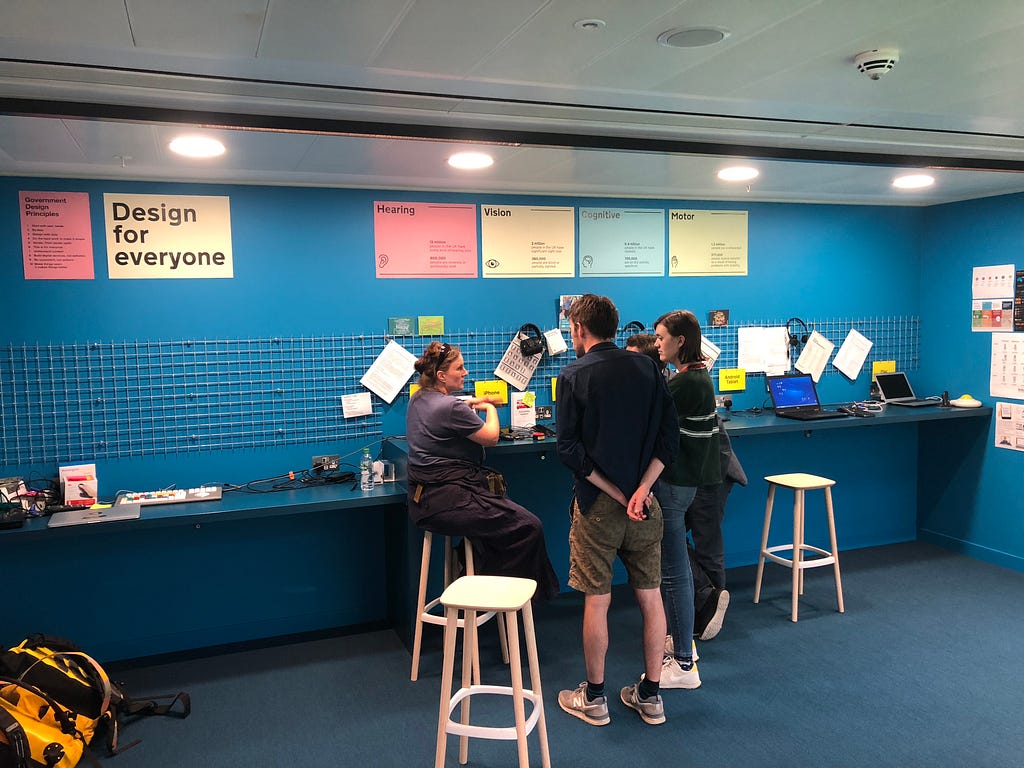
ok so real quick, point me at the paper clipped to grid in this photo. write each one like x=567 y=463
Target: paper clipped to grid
x=387 y=375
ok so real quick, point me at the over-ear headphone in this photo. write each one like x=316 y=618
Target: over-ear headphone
x=794 y=340
x=533 y=344
x=634 y=326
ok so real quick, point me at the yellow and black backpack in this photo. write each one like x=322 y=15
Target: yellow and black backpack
x=55 y=701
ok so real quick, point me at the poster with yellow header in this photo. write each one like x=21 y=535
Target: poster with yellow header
x=167 y=236
x=707 y=243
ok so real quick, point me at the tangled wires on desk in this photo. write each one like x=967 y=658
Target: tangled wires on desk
x=292 y=481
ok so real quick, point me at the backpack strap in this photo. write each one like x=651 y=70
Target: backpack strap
x=52 y=642
x=132 y=708
x=16 y=738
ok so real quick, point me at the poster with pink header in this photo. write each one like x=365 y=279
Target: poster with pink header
x=56 y=236
x=425 y=239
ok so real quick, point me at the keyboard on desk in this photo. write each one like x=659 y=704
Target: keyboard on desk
x=172 y=496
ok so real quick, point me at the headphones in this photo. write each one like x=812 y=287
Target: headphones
x=634 y=326
x=794 y=340
x=533 y=344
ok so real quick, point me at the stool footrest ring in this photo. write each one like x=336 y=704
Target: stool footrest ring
x=489 y=731
x=817 y=562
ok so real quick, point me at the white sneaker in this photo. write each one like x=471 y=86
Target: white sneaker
x=674 y=676
x=670 y=647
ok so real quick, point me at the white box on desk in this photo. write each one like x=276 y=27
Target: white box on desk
x=78 y=484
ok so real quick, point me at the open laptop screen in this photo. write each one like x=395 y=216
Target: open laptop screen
x=894 y=386
x=792 y=391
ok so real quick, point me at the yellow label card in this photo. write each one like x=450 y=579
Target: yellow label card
x=882 y=366
x=732 y=379
x=554 y=381
x=497 y=389
x=431 y=325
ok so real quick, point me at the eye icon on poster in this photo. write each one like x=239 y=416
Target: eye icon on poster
x=492 y=263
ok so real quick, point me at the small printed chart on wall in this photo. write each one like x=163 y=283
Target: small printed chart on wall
x=168 y=236
x=424 y=239
x=56 y=237
x=702 y=243
x=528 y=241
x=622 y=242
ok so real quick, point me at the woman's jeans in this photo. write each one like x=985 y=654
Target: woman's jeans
x=676 y=577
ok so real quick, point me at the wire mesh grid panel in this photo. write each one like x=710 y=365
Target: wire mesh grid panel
x=136 y=398
x=892 y=338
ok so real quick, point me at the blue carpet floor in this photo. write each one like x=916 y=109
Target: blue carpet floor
x=923 y=669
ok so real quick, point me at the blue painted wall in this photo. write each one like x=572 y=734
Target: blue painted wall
x=304 y=266
x=971 y=506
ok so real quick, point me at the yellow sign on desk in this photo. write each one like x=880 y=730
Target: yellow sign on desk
x=882 y=366
x=732 y=379
x=496 y=389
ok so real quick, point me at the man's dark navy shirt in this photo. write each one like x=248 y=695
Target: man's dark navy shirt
x=614 y=414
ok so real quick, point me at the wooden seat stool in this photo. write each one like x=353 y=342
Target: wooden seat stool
x=424 y=614
x=800 y=483
x=509 y=597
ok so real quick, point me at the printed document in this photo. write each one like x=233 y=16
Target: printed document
x=852 y=354
x=389 y=372
x=815 y=355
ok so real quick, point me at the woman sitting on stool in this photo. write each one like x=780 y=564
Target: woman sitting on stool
x=448 y=489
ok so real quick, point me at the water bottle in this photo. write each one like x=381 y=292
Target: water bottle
x=366 y=471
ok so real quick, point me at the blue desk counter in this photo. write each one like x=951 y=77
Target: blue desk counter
x=254 y=566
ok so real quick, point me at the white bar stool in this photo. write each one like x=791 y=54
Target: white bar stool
x=506 y=596
x=423 y=608
x=800 y=483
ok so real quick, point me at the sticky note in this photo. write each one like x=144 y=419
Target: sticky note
x=732 y=379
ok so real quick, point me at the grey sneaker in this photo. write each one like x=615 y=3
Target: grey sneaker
x=575 y=703
x=652 y=709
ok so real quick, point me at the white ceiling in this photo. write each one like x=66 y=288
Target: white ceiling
x=378 y=93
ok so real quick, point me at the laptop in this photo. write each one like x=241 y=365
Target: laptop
x=895 y=389
x=796 y=397
x=87 y=515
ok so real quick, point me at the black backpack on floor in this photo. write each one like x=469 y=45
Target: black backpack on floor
x=55 y=701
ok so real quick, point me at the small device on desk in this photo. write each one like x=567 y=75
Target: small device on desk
x=172 y=496
x=856 y=410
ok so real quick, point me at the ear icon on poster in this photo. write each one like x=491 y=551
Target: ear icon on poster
x=382 y=260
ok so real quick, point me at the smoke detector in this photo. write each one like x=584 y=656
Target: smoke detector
x=876 y=62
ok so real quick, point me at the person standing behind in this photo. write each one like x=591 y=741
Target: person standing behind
x=616 y=431
x=707 y=555
x=678 y=340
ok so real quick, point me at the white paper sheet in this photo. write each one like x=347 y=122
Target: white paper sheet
x=515 y=367
x=764 y=350
x=358 y=404
x=852 y=354
x=556 y=342
x=390 y=371
x=815 y=355
x=710 y=350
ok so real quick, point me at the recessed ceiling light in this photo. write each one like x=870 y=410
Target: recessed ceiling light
x=692 y=37
x=738 y=173
x=197 y=146
x=470 y=161
x=589 y=25
x=913 y=181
